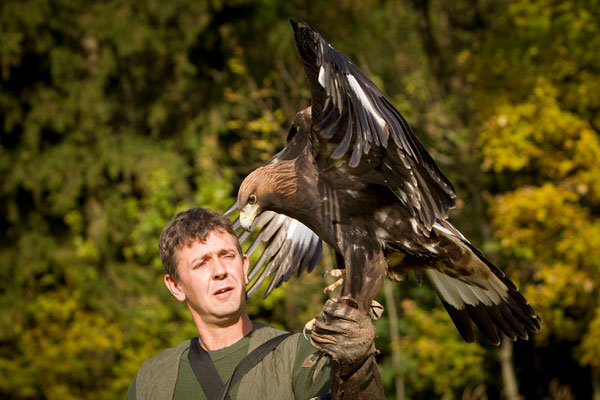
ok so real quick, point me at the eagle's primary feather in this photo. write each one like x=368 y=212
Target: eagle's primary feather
x=354 y=174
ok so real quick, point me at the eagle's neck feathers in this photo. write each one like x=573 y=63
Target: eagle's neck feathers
x=291 y=190
x=281 y=178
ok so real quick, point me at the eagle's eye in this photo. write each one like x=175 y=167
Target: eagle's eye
x=252 y=200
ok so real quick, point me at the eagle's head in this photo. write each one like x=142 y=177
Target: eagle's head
x=307 y=41
x=248 y=203
x=266 y=188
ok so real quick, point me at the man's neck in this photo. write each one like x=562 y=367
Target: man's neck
x=216 y=337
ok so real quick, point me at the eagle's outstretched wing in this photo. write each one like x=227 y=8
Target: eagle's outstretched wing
x=290 y=247
x=361 y=127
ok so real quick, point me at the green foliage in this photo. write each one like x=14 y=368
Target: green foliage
x=99 y=102
x=71 y=353
x=114 y=116
x=440 y=358
x=434 y=359
x=544 y=136
x=590 y=345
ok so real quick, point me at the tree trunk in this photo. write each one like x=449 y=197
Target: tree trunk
x=509 y=378
x=390 y=306
x=596 y=383
x=440 y=67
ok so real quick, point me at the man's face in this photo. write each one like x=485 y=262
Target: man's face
x=212 y=278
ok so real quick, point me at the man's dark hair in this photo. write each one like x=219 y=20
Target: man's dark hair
x=187 y=227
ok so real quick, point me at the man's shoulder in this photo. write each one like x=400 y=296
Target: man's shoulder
x=267 y=329
x=170 y=353
x=263 y=332
x=157 y=376
x=161 y=367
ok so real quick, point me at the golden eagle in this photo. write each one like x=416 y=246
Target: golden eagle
x=354 y=173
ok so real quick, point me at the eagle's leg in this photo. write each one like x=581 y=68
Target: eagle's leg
x=375 y=312
x=365 y=270
x=375 y=309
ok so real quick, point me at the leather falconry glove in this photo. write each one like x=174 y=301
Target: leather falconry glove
x=346 y=335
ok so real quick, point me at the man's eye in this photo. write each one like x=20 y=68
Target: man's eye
x=200 y=264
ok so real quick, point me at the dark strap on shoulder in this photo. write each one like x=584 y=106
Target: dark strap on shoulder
x=207 y=374
x=251 y=360
x=205 y=371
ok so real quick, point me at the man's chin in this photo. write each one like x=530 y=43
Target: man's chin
x=224 y=318
x=229 y=310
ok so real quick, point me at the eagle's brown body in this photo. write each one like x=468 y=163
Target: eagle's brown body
x=356 y=175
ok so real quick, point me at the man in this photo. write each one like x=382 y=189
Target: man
x=206 y=269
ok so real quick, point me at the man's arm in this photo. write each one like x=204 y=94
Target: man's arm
x=311 y=376
x=346 y=335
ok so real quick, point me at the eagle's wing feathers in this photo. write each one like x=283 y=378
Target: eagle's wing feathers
x=351 y=113
x=289 y=247
x=483 y=294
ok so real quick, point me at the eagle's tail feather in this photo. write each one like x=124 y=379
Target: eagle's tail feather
x=498 y=305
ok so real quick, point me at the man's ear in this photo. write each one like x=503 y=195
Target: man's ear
x=245 y=265
x=174 y=287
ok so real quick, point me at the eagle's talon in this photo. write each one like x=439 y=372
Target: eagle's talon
x=375 y=310
x=308 y=327
x=336 y=273
x=333 y=286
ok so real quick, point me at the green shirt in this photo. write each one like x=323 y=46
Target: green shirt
x=309 y=377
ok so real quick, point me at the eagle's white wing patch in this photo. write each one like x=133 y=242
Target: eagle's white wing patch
x=364 y=100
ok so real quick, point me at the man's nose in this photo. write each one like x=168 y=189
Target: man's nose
x=219 y=271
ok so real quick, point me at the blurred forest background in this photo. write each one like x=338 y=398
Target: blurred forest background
x=115 y=115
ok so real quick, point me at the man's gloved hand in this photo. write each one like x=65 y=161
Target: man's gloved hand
x=344 y=333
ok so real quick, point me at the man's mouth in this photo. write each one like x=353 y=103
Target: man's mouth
x=223 y=290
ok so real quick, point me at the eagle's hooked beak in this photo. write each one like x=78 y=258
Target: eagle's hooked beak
x=247 y=215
